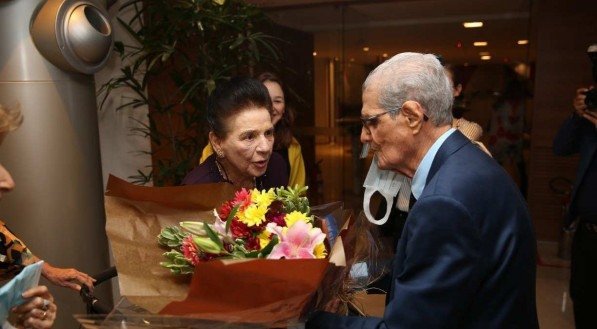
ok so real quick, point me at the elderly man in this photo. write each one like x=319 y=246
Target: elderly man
x=466 y=258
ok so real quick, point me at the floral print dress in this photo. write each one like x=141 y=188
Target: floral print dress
x=14 y=254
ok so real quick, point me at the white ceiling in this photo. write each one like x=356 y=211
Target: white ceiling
x=409 y=25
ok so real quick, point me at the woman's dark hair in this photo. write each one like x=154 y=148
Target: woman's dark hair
x=232 y=97
x=283 y=129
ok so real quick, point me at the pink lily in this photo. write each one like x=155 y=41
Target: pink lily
x=297 y=241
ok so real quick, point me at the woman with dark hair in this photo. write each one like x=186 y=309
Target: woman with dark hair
x=282 y=119
x=239 y=114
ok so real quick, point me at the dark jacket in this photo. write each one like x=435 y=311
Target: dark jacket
x=576 y=135
x=466 y=258
x=276 y=174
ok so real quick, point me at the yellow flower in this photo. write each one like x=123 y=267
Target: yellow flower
x=218 y=2
x=253 y=215
x=264 y=238
x=295 y=216
x=263 y=198
x=320 y=251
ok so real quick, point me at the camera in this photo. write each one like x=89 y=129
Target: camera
x=591 y=95
x=591 y=100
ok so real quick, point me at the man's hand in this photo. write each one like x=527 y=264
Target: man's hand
x=579 y=101
x=580 y=107
x=67 y=277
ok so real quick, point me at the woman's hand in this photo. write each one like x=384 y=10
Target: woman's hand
x=67 y=277
x=38 y=312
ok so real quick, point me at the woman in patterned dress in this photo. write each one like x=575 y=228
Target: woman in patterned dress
x=39 y=310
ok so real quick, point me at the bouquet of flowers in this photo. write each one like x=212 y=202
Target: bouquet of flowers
x=270 y=224
x=238 y=276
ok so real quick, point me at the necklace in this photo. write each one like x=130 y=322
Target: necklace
x=225 y=177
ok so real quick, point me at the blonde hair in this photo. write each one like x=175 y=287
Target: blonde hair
x=10 y=119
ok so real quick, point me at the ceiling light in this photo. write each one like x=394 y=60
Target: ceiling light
x=480 y=43
x=365 y=48
x=384 y=55
x=486 y=57
x=522 y=42
x=472 y=25
x=314 y=53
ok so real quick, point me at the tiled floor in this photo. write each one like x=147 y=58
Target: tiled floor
x=554 y=306
x=342 y=182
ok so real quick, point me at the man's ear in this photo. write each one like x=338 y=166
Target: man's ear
x=415 y=115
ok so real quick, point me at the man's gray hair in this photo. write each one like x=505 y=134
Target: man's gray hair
x=416 y=77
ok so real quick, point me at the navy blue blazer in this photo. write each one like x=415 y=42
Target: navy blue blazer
x=577 y=135
x=466 y=258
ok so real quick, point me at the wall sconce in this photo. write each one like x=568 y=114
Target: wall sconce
x=74 y=35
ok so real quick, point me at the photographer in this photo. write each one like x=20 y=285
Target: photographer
x=578 y=134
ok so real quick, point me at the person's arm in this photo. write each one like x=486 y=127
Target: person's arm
x=67 y=277
x=441 y=266
x=64 y=277
x=470 y=129
x=438 y=277
x=297 y=164
x=567 y=140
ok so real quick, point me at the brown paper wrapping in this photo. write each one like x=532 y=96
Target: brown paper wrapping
x=273 y=292
x=276 y=292
x=135 y=216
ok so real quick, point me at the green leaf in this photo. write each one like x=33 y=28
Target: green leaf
x=119 y=47
x=230 y=217
x=268 y=248
x=213 y=235
x=252 y=254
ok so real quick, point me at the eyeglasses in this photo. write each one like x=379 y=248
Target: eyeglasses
x=372 y=121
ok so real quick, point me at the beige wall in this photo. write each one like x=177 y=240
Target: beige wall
x=564 y=30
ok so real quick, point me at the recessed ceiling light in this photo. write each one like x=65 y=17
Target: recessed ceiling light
x=384 y=55
x=314 y=53
x=480 y=43
x=486 y=57
x=472 y=25
x=365 y=48
x=522 y=42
